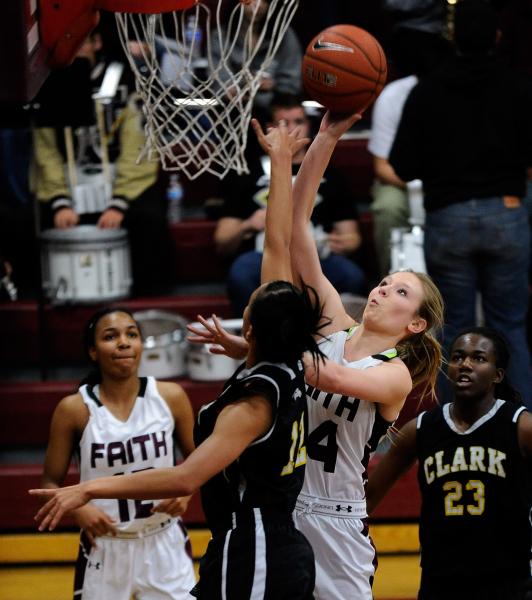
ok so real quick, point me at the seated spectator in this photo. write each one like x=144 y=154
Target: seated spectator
x=239 y=231
x=86 y=173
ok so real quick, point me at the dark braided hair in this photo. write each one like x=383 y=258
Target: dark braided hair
x=285 y=321
x=94 y=376
x=503 y=390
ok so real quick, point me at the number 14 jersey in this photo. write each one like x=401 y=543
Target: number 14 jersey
x=343 y=432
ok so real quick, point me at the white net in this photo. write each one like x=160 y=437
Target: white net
x=197 y=72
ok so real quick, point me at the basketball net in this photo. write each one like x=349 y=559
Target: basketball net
x=196 y=121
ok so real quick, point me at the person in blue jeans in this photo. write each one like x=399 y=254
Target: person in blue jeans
x=466 y=132
x=239 y=231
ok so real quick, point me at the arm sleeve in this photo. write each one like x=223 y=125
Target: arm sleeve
x=48 y=176
x=132 y=176
x=383 y=126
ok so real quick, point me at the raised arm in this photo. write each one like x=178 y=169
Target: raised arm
x=387 y=385
x=305 y=260
x=236 y=427
x=392 y=465
x=280 y=145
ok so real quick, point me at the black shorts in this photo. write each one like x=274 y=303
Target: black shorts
x=272 y=561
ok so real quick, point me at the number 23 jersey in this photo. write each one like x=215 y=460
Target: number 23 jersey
x=475 y=504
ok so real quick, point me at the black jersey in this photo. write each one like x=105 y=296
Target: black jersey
x=269 y=473
x=475 y=504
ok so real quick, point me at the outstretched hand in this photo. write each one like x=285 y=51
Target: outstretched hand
x=219 y=339
x=61 y=501
x=279 y=139
x=337 y=125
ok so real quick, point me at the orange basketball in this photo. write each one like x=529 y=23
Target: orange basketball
x=344 y=68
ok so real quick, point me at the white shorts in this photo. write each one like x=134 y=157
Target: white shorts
x=153 y=567
x=344 y=553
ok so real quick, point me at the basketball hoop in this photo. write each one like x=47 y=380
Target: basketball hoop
x=198 y=109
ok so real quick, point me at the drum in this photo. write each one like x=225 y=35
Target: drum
x=204 y=366
x=407 y=249
x=85 y=264
x=164 y=339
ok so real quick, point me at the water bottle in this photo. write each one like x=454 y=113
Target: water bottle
x=174 y=193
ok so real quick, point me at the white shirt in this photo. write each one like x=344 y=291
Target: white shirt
x=387 y=115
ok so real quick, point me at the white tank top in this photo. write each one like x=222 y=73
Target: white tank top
x=343 y=431
x=109 y=446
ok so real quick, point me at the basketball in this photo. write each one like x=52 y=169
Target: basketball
x=344 y=68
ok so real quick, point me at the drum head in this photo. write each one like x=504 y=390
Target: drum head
x=83 y=233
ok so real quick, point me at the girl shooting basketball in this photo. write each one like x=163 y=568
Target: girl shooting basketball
x=360 y=389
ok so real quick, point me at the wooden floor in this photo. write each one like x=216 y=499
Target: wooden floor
x=396 y=579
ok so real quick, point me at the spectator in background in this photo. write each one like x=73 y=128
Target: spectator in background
x=79 y=192
x=466 y=132
x=284 y=72
x=515 y=47
x=239 y=231
x=414 y=54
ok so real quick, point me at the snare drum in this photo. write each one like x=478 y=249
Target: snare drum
x=164 y=339
x=85 y=264
x=204 y=366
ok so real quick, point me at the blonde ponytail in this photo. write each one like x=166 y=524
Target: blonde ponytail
x=422 y=353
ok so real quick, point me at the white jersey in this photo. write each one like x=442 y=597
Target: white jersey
x=109 y=446
x=343 y=431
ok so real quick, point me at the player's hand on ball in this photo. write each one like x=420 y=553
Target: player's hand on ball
x=61 y=501
x=174 y=507
x=94 y=522
x=336 y=125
